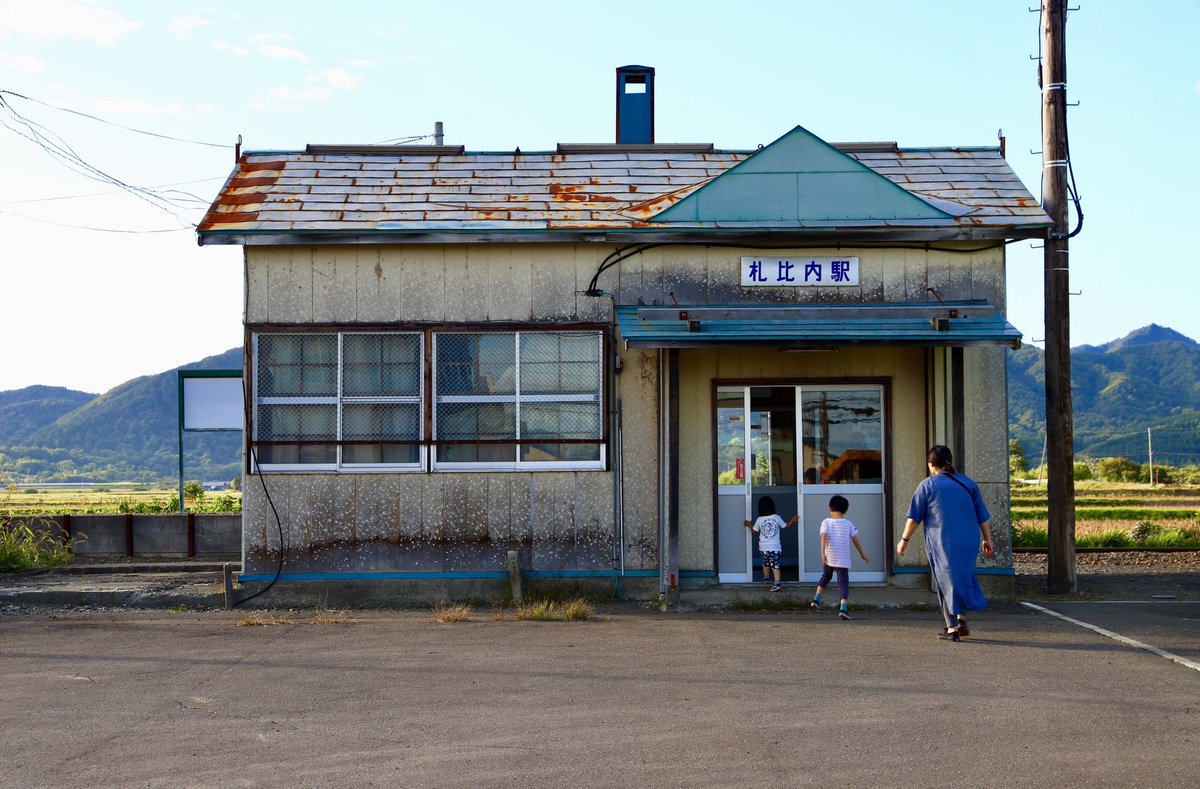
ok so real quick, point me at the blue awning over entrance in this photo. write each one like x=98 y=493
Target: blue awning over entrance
x=926 y=324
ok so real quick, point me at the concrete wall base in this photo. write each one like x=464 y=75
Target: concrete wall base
x=371 y=593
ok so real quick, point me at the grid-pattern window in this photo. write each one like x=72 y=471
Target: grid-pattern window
x=330 y=400
x=518 y=400
x=500 y=400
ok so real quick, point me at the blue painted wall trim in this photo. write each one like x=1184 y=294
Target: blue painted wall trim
x=589 y=574
x=539 y=574
x=978 y=570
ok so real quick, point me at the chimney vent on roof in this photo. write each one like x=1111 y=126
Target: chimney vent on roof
x=635 y=105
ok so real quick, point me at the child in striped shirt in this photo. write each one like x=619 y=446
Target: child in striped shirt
x=836 y=535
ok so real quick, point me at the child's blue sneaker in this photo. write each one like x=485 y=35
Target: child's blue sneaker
x=844 y=614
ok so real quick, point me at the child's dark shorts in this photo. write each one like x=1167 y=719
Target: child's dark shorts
x=771 y=559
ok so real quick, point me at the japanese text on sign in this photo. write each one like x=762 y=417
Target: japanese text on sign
x=799 y=272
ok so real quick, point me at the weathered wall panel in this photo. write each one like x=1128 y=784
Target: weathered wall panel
x=553 y=284
x=411 y=521
x=335 y=284
x=423 y=282
x=640 y=473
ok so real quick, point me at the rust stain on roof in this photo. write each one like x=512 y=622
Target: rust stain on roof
x=563 y=190
x=246 y=166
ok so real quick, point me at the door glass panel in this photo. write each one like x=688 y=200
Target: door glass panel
x=843 y=437
x=731 y=440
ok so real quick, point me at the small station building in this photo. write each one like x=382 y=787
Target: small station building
x=602 y=356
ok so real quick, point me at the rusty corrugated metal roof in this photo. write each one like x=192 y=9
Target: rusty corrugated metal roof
x=551 y=195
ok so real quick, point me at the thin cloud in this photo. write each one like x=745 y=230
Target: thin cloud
x=225 y=46
x=341 y=79
x=262 y=106
x=182 y=27
x=269 y=38
x=21 y=62
x=277 y=52
x=126 y=106
x=359 y=63
x=53 y=19
x=284 y=93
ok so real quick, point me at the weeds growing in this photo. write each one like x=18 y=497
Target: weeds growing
x=452 y=612
x=22 y=548
x=265 y=619
x=760 y=605
x=326 y=616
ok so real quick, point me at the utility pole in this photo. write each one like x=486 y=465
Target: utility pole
x=1150 y=452
x=1060 y=478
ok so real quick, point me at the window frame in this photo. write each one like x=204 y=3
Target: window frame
x=339 y=400
x=517 y=399
x=427 y=402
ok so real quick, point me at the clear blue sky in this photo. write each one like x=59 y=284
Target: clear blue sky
x=88 y=309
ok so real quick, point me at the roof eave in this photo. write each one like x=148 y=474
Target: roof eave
x=618 y=235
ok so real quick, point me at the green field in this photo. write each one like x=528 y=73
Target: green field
x=111 y=500
x=1113 y=515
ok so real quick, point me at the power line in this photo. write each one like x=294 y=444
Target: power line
x=96 y=229
x=113 y=192
x=60 y=150
x=117 y=125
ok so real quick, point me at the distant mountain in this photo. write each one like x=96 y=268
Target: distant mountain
x=1147 y=335
x=127 y=434
x=1148 y=379
x=25 y=411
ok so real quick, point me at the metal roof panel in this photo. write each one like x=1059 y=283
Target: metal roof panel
x=606 y=191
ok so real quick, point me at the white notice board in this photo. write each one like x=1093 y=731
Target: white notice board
x=212 y=404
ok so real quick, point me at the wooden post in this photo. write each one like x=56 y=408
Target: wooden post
x=66 y=531
x=129 y=534
x=191 y=535
x=1060 y=479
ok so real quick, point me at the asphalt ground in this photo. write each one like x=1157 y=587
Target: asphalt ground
x=160 y=698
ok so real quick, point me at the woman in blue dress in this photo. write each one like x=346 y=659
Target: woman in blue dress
x=956 y=520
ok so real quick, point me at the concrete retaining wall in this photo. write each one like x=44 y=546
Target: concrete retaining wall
x=144 y=535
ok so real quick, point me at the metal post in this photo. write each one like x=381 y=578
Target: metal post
x=1060 y=491
x=179 y=384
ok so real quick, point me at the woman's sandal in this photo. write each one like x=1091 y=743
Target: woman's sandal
x=962 y=628
x=950 y=634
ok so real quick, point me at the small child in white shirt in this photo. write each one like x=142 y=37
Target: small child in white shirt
x=768 y=526
x=836 y=535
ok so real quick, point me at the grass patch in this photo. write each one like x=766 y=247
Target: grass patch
x=1141 y=534
x=1109 y=513
x=22 y=548
x=1109 y=538
x=545 y=610
x=265 y=619
x=760 y=605
x=326 y=616
x=1030 y=536
x=1173 y=538
x=452 y=612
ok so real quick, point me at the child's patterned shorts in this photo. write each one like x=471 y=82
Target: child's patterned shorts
x=771 y=559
